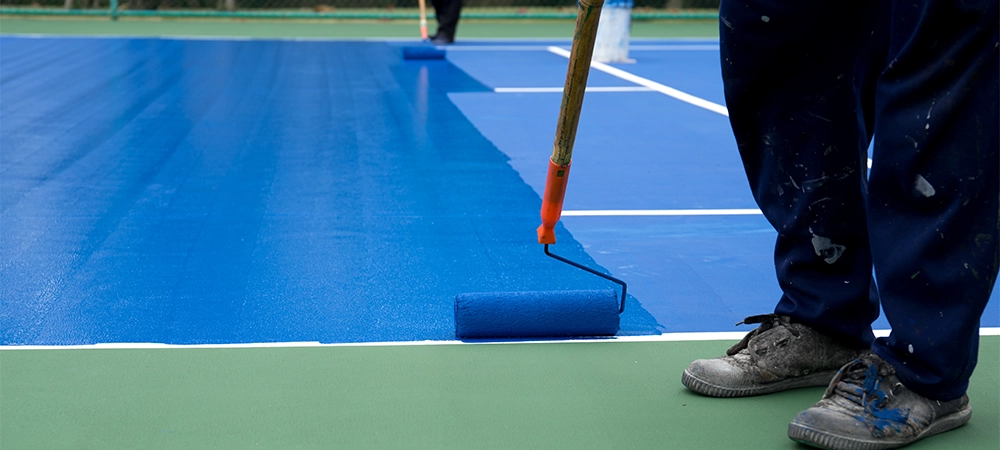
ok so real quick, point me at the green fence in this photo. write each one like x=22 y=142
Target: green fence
x=344 y=9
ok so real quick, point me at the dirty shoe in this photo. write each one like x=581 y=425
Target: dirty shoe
x=866 y=407
x=777 y=356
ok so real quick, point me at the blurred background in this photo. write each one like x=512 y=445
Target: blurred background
x=349 y=9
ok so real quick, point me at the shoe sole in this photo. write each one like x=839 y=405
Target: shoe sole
x=816 y=438
x=818 y=379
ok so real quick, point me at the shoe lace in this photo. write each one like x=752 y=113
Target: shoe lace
x=767 y=322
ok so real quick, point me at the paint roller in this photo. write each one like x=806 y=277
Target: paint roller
x=425 y=51
x=551 y=314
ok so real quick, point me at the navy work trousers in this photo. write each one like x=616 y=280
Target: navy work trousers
x=809 y=86
x=447 y=13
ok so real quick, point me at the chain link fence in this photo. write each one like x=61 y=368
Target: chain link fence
x=370 y=9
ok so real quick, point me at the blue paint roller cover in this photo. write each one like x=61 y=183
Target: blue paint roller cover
x=544 y=314
x=423 y=52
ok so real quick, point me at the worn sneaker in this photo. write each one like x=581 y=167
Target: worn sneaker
x=867 y=408
x=777 y=356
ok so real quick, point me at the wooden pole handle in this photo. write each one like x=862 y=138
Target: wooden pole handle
x=588 y=15
x=587 y=18
x=423 y=19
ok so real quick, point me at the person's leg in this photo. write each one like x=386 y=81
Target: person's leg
x=795 y=92
x=933 y=219
x=934 y=189
x=799 y=105
x=447 y=13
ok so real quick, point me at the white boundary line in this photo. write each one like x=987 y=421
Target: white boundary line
x=634 y=47
x=537 y=90
x=415 y=40
x=636 y=43
x=661 y=212
x=663 y=89
x=497 y=48
x=666 y=337
x=668 y=47
x=167 y=37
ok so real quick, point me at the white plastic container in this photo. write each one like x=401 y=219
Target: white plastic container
x=613 y=32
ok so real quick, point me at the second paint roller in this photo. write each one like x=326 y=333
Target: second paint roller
x=426 y=50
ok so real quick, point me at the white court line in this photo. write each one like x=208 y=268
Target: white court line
x=661 y=212
x=663 y=89
x=537 y=90
x=203 y=38
x=496 y=48
x=685 y=47
x=636 y=47
x=666 y=337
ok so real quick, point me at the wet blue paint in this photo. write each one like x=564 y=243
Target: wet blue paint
x=191 y=192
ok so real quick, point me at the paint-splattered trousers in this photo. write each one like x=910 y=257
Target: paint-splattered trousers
x=810 y=85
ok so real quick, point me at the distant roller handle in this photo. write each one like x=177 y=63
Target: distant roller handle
x=423 y=19
x=587 y=18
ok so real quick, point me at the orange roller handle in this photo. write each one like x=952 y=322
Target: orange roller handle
x=584 y=37
x=552 y=201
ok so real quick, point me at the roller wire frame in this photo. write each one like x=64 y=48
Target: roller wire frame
x=621 y=283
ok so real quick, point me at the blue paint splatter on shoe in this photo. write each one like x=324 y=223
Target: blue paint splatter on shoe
x=878 y=419
x=868 y=406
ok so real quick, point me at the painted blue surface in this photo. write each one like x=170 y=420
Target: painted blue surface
x=214 y=192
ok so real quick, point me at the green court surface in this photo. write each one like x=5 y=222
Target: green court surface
x=468 y=29
x=558 y=395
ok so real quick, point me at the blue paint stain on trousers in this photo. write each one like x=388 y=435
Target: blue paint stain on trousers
x=192 y=192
